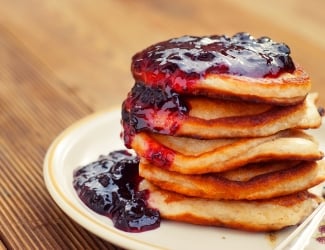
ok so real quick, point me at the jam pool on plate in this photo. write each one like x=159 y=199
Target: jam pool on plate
x=109 y=186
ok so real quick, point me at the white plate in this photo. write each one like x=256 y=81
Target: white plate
x=99 y=134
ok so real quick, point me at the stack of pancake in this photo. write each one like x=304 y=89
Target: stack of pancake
x=219 y=124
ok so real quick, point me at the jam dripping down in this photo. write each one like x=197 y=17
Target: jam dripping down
x=143 y=103
x=109 y=186
x=321 y=238
x=180 y=62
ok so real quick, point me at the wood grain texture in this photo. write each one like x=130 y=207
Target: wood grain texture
x=89 y=44
x=35 y=106
x=62 y=60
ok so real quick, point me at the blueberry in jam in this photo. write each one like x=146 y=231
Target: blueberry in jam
x=109 y=186
x=141 y=105
x=179 y=62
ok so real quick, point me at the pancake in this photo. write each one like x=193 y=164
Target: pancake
x=192 y=156
x=263 y=215
x=286 y=89
x=237 y=67
x=217 y=122
x=250 y=182
x=242 y=122
x=207 y=118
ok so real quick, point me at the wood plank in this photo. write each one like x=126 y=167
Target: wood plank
x=30 y=105
x=89 y=46
x=2 y=245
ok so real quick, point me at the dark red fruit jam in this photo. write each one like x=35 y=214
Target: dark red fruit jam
x=321 y=111
x=142 y=105
x=109 y=186
x=321 y=239
x=321 y=229
x=159 y=155
x=180 y=61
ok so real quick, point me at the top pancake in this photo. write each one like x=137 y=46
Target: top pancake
x=229 y=67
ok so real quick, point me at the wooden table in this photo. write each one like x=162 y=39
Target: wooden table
x=63 y=60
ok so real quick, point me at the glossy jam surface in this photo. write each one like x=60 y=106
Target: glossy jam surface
x=109 y=186
x=159 y=155
x=180 y=61
x=149 y=108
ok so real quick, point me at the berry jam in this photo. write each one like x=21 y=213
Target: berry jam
x=109 y=186
x=142 y=105
x=179 y=62
x=321 y=229
x=321 y=238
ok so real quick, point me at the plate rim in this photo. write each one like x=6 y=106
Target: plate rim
x=114 y=236
x=67 y=206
